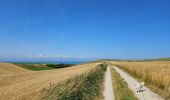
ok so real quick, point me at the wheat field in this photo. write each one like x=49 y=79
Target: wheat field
x=28 y=84
x=156 y=74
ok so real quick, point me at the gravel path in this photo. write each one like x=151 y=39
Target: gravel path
x=146 y=95
x=108 y=92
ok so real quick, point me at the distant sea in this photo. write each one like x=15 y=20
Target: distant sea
x=45 y=60
x=49 y=62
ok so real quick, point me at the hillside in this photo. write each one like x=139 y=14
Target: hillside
x=8 y=68
x=27 y=86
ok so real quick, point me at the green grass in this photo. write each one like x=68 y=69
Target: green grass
x=120 y=87
x=59 y=65
x=35 y=67
x=82 y=87
x=39 y=67
x=158 y=59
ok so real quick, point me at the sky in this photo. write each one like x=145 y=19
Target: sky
x=117 y=29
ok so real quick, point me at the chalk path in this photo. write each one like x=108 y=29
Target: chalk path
x=108 y=92
x=146 y=95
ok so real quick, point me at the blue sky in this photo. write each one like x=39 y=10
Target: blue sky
x=84 y=29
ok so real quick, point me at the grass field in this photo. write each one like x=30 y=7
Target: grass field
x=156 y=74
x=27 y=85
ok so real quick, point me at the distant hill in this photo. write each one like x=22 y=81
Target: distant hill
x=158 y=59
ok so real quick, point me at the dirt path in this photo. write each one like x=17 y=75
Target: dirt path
x=108 y=92
x=146 y=95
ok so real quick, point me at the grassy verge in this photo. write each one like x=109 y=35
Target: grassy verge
x=120 y=87
x=82 y=87
x=38 y=67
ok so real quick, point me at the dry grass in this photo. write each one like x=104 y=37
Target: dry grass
x=88 y=86
x=27 y=85
x=7 y=68
x=156 y=74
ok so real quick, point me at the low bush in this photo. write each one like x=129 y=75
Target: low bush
x=59 y=65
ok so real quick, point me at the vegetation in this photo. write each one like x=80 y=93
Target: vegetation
x=154 y=74
x=38 y=67
x=82 y=87
x=165 y=59
x=59 y=65
x=120 y=87
x=35 y=67
x=139 y=60
x=23 y=84
x=159 y=59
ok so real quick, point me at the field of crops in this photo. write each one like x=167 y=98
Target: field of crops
x=23 y=84
x=156 y=74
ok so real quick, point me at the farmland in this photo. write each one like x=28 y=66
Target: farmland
x=24 y=84
x=86 y=81
x=154 y=73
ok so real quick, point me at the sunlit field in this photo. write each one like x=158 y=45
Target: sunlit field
x=156 y=74
x=17 y=83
